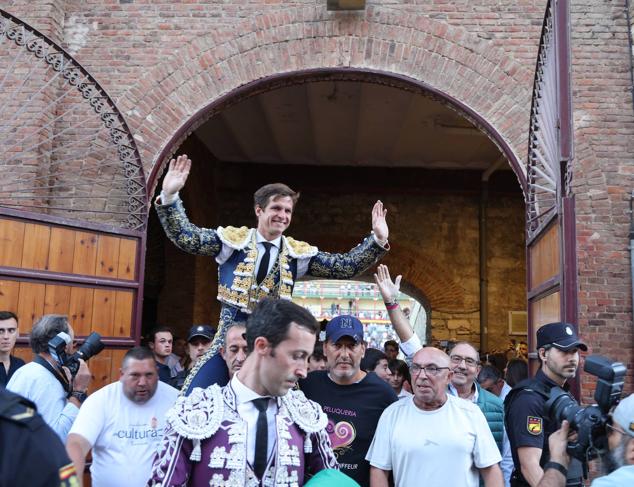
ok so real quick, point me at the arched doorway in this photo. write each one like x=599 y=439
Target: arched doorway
x=344 y=138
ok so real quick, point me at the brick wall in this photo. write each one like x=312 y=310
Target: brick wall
x=603 y=178
x=164 y=61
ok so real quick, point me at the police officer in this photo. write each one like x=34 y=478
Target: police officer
x=30 y=451
x=527 y=426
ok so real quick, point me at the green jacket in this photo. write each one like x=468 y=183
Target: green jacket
x=493 y=409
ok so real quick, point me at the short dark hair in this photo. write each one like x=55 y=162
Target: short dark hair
x=390 y=343
x=265 y=194
x=159 y=329
x=400 y=367
x=454 y=345
x=137 y=353
x=7 y=315
x=272 y=319
x=371 y=359
x=318 y=352
x=46 y=328
x=516 y=371
x=489 y=372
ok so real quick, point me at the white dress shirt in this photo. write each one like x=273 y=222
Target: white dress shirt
x=249 y=413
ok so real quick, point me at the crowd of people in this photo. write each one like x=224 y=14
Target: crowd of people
x=296 y=408
x=261 y=402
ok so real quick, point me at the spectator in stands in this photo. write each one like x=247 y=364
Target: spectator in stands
x=317 y=361
x=400 y=376
x=8 y=335
x=352 y=398
x=516 y=372
x=160 y=342
x=375 y=361
x=57 y=395
x=491 y=380
x=123 y=424
x=235 y=351
x=391 y=349
x=198 y=342
x=433 y=439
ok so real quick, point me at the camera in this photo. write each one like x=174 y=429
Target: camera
x=57 y=348
x=590 y=421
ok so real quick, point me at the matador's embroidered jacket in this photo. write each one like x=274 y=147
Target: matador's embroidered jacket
x=237 y=287
x=205 y=443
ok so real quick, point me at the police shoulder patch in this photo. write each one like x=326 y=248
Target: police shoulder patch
x=534 y=425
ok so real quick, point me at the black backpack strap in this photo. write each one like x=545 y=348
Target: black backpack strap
x=59 y=374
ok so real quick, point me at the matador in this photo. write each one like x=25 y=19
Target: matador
x=254 y=263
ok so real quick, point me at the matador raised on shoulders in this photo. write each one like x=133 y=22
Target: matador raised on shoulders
x=254 y=263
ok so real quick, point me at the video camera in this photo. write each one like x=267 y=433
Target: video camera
x=590 y=421
x=57 y=348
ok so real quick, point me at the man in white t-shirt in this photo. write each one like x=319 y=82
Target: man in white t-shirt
x=433 y=437
x=123 y=424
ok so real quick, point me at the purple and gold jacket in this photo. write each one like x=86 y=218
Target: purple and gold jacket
x=205 y=443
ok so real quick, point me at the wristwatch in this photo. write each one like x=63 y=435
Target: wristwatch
x=79 y=395
x=556 y=466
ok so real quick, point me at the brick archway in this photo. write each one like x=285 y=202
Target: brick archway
x=468 y=72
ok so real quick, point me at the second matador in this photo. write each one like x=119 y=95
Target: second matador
x=254 y=263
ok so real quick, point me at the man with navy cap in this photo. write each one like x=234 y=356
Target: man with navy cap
x=528 y=428
x=353 y=399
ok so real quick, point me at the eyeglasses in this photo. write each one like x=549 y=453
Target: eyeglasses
x=457 y=359
x=9 y=331
x=430 y=370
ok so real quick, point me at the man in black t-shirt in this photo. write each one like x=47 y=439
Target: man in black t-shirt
x=352 y=399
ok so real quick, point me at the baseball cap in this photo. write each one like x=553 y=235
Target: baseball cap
x=204 y=331
x=560 y=335
x=624 y=414
x=344 y=326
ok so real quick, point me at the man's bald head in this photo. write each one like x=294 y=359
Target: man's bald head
x=431 y=354
x=430 y=377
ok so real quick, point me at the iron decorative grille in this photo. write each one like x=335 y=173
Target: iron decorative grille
x=543 y=167
x=65 y=149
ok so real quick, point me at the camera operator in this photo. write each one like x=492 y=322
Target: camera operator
x=617 y=463
x=527 y=427
x=57 y=395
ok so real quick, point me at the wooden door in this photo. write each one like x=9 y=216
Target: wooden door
x=551 y=249
x=89 y=273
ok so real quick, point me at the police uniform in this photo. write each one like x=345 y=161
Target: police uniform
x=524 y=416
x=30 y=452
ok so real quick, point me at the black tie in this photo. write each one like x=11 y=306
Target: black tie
x=261 y=437
x=263 y=270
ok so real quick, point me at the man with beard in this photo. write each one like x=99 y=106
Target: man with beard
x=352 y=399
x=528 y=428
x=617 y=464
x=123 y=424
x=256 y=430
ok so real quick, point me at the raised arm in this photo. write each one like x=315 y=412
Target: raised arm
x=185 y=235
x=389 y=291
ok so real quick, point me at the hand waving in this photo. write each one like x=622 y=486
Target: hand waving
x=176 y=175
x=379 y=225
x=389 y=290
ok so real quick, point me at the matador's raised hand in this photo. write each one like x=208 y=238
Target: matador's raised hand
x=176 y=175
x=379 y=225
